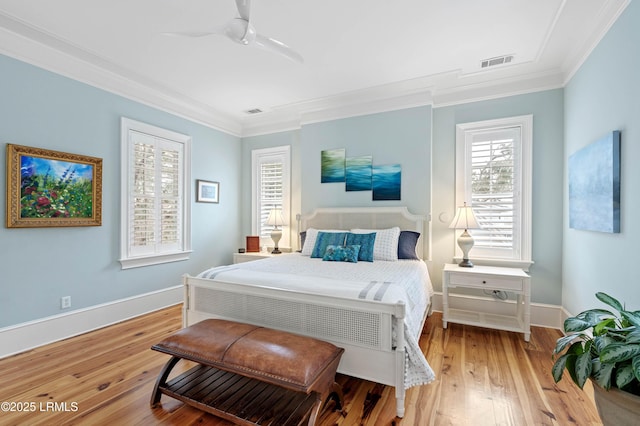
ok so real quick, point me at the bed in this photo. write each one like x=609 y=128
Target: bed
x=373 y=306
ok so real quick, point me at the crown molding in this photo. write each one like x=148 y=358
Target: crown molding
x=571 y=67
x=31 y=45
x=24 y=42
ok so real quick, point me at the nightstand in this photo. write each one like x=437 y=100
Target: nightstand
x=511 y=280
x=248 y=257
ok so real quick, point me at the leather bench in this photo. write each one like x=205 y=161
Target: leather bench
x=249 y=374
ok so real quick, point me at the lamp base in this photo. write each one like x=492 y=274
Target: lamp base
x=466 y=263
x=276 y=234
x=465 y=242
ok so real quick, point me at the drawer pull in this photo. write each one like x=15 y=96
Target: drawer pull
x=484 y=282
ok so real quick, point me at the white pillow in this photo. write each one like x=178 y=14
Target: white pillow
x=386 y=244
x=310 y=239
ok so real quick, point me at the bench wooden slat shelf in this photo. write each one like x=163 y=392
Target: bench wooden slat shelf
x=240 y=399
x=250 y=375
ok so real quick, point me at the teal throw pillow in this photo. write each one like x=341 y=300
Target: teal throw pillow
x=327 y=238
x=366 y=243
x=335 y=253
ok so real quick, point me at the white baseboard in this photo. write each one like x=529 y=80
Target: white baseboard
x=542 y=315
x=22 y=337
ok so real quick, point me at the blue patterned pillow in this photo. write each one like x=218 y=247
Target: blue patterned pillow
x=366 y=243
x=327 y=238
x=341 y=254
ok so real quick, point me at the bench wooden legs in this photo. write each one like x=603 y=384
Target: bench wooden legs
x=162 y=380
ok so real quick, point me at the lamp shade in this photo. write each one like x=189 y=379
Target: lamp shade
x=275 y=218
x=464 y=219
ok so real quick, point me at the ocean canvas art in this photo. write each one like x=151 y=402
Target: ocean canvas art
x=332 y=165
x=358 y=173
x=386 y=181
x=594 y=186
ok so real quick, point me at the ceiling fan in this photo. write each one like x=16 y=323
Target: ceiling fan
x=241 y=31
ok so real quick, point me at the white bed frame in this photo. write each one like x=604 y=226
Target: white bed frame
x=363 y=328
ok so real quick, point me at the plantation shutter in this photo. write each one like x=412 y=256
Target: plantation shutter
x=156 y=195
x=271 y=191
x=271 y=188
x=495 y=190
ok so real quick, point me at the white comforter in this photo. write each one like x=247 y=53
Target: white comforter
x=404 y=280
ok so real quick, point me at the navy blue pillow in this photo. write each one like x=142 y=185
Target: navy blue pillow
x=303 y=237
x=366 y=243
x=407 y=245
x=327 y=238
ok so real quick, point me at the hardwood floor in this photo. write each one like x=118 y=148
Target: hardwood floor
x=484 y=377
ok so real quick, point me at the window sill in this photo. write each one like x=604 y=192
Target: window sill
x=508 y=263
x=137 y=262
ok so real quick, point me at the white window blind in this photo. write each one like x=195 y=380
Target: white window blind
x=495 y=187
x=270 y=189
x=493 y=176
x=155 y=195
x=271 y=192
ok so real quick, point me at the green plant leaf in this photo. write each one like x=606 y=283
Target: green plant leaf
x=605 y=298
x=624 y=376
x=563 y=342
x=635 y=364
x=583 y=368
x=632 y=317
x=574 y=324
x=559 y=366
x=601 y=342
x=618 y=352
x=601 y=373
x=604 y=325
x=634 y=336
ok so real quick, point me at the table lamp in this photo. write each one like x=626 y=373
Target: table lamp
x=465 y=219
x=275 y=219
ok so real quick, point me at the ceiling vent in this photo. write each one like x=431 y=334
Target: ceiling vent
x=253 y=111
x=498 y=60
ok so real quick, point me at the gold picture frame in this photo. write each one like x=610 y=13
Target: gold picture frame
x=48 y=188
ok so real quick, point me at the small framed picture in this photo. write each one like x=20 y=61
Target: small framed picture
x=207 y=191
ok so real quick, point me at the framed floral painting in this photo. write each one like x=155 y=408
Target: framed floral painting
x=50 y=188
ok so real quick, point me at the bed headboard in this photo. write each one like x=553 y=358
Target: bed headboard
x=370 y=218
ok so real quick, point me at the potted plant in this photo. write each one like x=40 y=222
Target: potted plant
x=604 y=347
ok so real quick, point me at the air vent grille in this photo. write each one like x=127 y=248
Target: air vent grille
x=498 y=60
x=253 y=111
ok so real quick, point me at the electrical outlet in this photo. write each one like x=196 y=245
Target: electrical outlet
x=65 y=302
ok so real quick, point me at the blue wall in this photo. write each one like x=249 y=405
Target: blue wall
x=412 y=137
x=604 y=95
x=547 y=110
x=42 y=109
x=397 y=137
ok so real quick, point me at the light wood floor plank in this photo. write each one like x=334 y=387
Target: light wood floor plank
x=483 y=377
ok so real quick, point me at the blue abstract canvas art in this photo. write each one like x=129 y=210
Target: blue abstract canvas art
x=332 y=165
x=358 y=173
x=594 y=186
x=386 y=182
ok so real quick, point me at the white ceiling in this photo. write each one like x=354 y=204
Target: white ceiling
x=360 y=56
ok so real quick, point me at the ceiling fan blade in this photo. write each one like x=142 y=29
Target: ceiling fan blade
x=244 y=9
x=279 y=47
x=191 y=33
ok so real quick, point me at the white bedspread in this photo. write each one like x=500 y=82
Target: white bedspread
x=404 y=280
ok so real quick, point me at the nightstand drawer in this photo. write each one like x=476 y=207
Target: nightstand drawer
x=491 y=282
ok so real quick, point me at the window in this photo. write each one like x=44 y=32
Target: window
x=493 y=175
x=270 y=189
x=155 y=195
